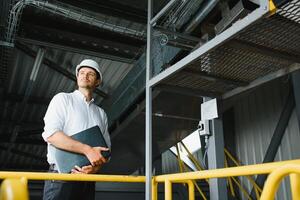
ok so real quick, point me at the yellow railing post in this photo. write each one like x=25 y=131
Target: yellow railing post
x=191 y=190
x=14 y=189
x=154 y=189
x=168 y=190
x=274 y=179
x=295 y=186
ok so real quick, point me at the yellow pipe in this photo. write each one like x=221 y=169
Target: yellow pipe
x=274 y=179
x=295 y=186
x=191 y=190
x=179 y=159
x=241 y=188
x=194 y=160
x=192 y=157
x=237 y=163
x=229 y=180
x=168 y=190
x=14 y=189
x=199 y=190
x=231 y=186
x=154 y=189
x=71 y=177
x=222 y=173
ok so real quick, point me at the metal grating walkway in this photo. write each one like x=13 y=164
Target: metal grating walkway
x=266 y=46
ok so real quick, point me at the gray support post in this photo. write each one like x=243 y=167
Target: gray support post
x=215 y=156
x=296 y=87
x=148 y=117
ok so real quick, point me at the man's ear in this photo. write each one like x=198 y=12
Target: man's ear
x=98 y=83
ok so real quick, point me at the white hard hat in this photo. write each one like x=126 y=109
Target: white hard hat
x=89 y=63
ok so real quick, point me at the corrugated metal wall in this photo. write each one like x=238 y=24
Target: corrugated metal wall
x=256 y=116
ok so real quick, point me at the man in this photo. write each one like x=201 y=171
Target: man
x=68 y=114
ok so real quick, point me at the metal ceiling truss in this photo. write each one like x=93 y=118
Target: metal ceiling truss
x=99 y=46
x=16 y=98
x=111 y=8
x=51 y=64
x=71 y=13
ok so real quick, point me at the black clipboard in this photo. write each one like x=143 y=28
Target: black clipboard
x=66 y=160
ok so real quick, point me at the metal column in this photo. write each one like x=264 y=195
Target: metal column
x=277 y=136
x=148 y=117
x=215 y=156
x=296 y=86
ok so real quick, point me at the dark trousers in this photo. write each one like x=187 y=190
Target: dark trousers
x=65 y=190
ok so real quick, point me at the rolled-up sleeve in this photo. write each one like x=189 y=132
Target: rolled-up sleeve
x=55 y=116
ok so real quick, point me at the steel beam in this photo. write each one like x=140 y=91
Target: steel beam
x=55 y=66
x=185 y=91
x=148 y=117
x=200 y=15
x=296 y=88
x=211 y=77
x=277 y=136
x=178 y=34
x=24 y=141
x=215 y=156
x=162 y=12
x=262 y=80
x=214 y=43
x=94 y=53
x=22 y=153
x=111 y=8
x=16 y=98
x=248 y=46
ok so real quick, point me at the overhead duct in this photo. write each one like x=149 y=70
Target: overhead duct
x=200 y=15
x=68 y=12
x=7 y=40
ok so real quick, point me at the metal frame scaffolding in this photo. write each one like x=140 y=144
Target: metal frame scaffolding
x=265 y=8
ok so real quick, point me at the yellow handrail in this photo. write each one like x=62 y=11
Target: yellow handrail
x=274 y=179
x=221 y=173
x=257 y=189
x=180 y=164
x=12 y=181
x=71 y=177
x=229 y=180
x=193 y=159
x=295 y=185
x=277 y=170
x=13 y=189
x=182 y=169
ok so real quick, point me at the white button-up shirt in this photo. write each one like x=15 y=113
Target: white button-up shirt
x=71 y=113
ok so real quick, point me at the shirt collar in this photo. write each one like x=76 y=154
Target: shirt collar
x=80 y=95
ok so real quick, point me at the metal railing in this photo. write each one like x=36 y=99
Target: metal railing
x=292 y=166
x=257 y=189
x=16 y=182
x=231 y=180
x=14 y=187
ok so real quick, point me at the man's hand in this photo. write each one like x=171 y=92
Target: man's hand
x=89 y=169
x=94 y=155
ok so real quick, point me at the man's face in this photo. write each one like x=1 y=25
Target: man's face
x=87 y=78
